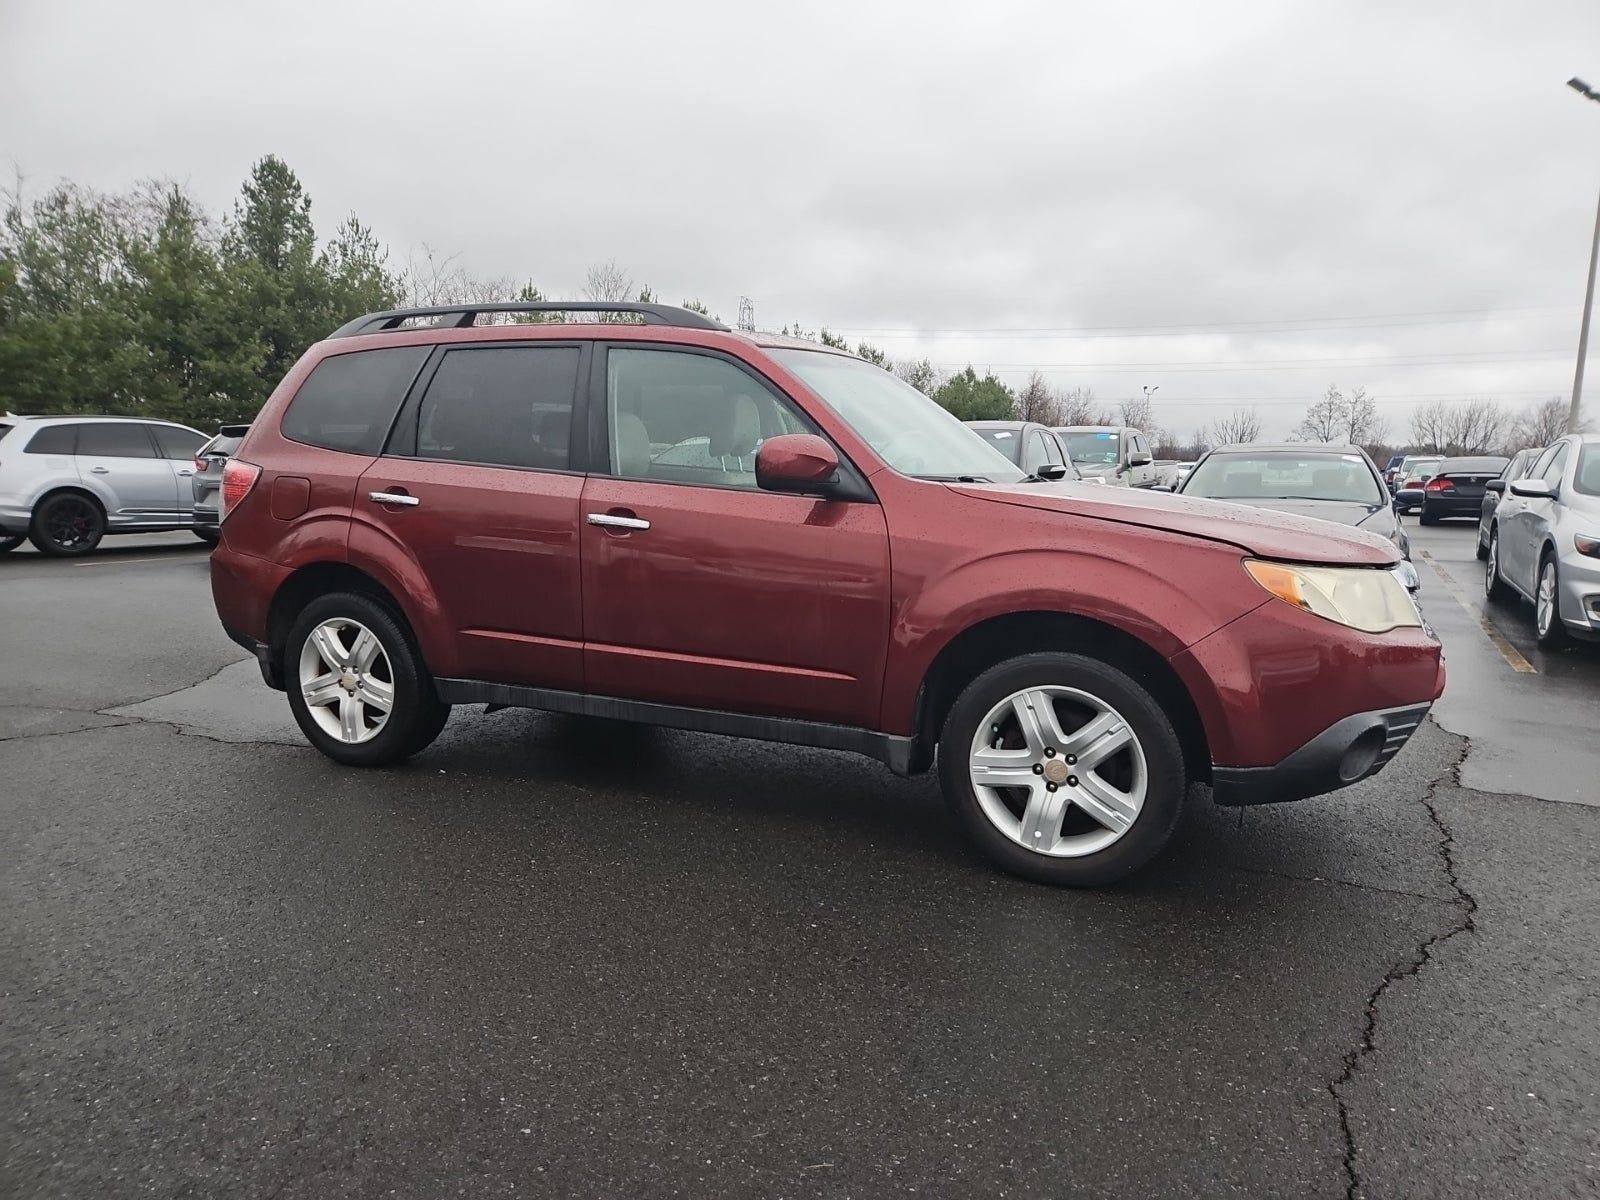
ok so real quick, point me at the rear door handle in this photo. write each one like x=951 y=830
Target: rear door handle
x=393 y=498
x=185 y=473
x=611 y=522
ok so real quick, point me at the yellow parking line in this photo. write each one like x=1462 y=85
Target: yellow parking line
x=1510 y=653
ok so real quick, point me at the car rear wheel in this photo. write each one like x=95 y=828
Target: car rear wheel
x=1547 y=623
x=357 y=685
x=1495 y=589
x=1482 y=548
x=1427 y=518
x=1062 y=769
x=209 y=536
x=8 y=544
x=66 y=525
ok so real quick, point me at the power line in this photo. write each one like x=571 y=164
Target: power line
x=1463 y=358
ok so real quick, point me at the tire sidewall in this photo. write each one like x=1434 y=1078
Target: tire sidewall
x=1556 y=635
x=1167 y=779
x=415 y=712
x=44 y=544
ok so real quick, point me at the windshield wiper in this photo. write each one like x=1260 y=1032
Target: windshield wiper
x=954 y=478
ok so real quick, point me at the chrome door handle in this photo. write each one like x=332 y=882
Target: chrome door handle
x=611 y=522
x=393 y=498
x=182 y=473
x=99 y=470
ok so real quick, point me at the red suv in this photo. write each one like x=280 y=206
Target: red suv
x=662 y=520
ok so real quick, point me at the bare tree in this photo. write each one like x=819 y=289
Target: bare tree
x=1430 y=426
x=1325 y=418
x=1538 y=424
x=1079 y=407
x=1037 y=402
x=923 y=376
x=1475 y=427
x=1135 y=412
x=607 y=283
x=429 y=281
x=1362 y=423
x=1242 y=425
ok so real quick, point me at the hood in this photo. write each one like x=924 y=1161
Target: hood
x=1287 y=536
x=1344 y=512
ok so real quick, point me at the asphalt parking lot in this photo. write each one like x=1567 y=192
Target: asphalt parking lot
x=561 y=957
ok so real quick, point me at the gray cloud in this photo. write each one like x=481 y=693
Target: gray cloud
x=913 y=167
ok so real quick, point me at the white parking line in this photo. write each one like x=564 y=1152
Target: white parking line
x=1510 y=653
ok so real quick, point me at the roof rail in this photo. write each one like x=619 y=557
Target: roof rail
x=467 y=315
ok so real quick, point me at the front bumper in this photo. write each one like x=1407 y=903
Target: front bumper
x=1344 y=753
x=1579 y=602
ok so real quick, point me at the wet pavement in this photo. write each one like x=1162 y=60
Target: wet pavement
x=561 y=957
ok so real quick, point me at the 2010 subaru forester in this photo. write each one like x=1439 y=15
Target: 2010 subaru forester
x=667 y=521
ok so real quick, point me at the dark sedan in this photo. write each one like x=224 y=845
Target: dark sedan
x=1334 y=483
x=1456 y=489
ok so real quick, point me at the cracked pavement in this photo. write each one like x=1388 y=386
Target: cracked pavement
x=553 y=956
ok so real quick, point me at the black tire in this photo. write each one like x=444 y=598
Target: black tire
x=417 y=714
x=209 y=536
x=1556 y=637
x=8 y=544
x=1482 y=547
x=1495 y=589
x=67 y=525
x=1166 y=779
x=1427 y=518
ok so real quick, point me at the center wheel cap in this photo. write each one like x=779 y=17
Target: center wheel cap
x=1055 y=770
x=347 y=681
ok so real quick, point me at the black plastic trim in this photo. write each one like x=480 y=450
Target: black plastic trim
x=467 y=315
x=893 y=750
x=270 y=675
x=1315 y=768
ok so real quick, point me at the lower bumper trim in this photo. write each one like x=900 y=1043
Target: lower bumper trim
x=1346 y=752
x=270 y=675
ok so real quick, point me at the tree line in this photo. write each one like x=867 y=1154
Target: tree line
x=141 y=303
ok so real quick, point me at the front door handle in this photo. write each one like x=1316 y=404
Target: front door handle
x=393 y=498
x=99 y=470
x=181 y=473
x=611 y=522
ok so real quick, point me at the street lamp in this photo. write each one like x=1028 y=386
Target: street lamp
x=1590 y=93
x=1150 y=391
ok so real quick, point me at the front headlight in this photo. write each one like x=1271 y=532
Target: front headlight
x=1366 y=598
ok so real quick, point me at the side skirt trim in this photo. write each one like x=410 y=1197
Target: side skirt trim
x=892 y=750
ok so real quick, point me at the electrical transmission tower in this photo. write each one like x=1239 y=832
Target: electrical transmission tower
x=747 y=314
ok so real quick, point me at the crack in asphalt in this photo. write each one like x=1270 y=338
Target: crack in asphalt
x=1466 y=907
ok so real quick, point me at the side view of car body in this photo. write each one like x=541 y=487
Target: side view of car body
x=671 y=522
x=209 y=462
x=66 y=482
x=1029 y=445
x=1544 y=542
x=1519 y=466
x=1391 y=469
x=1116 y=455
x=1458 y=487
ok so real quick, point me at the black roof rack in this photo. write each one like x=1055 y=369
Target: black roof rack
x=467 y=315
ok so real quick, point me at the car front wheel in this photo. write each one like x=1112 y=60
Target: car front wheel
x=1495 y=589
x=1547 y=621
x=1062 y=769
x=67 y=525
x=357 y=686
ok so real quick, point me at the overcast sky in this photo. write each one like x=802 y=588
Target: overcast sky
x=1393 y=195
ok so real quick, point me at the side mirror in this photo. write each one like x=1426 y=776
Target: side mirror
x=1052 y=471
x=1139 y=460
x=1497 y=486
x=800 y=463
x=1533 y=489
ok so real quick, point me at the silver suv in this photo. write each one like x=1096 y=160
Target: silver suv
x=66 y=482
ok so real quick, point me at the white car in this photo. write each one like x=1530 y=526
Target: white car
x=1544 y=543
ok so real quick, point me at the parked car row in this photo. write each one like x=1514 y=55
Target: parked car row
x=1544 y=540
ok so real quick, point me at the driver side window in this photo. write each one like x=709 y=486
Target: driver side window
x=679 y=417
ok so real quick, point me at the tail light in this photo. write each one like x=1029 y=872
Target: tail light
x=237 y=480
x=1439 y=485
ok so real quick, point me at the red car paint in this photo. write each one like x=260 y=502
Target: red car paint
x=792 y=606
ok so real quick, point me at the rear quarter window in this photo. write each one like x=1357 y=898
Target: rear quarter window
x=349 y=401
x=53 y=439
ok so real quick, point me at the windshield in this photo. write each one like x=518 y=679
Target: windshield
x=904 y=428
x=1343 y=478
x=1587 y=479
x=1095 y=449
x=1007 y=441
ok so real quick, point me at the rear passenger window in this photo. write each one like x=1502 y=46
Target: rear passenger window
x=689 y=418
x=115 y=441
x=349 y=400
x=503 y=406
x=54 y=439
x=177 y=443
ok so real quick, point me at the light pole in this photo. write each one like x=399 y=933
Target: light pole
x=1150 y=391
x=1584 y=89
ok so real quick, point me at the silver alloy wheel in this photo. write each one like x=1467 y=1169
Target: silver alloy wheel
x=1544 y=609
x=1058 y=771
x=346 y=679
x=1491 y=569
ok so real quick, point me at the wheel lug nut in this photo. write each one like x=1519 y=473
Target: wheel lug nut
x=1072 y=781
x=1071 y=759
x=1037 y=769
x=1049 y=787
x=1049 y=753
